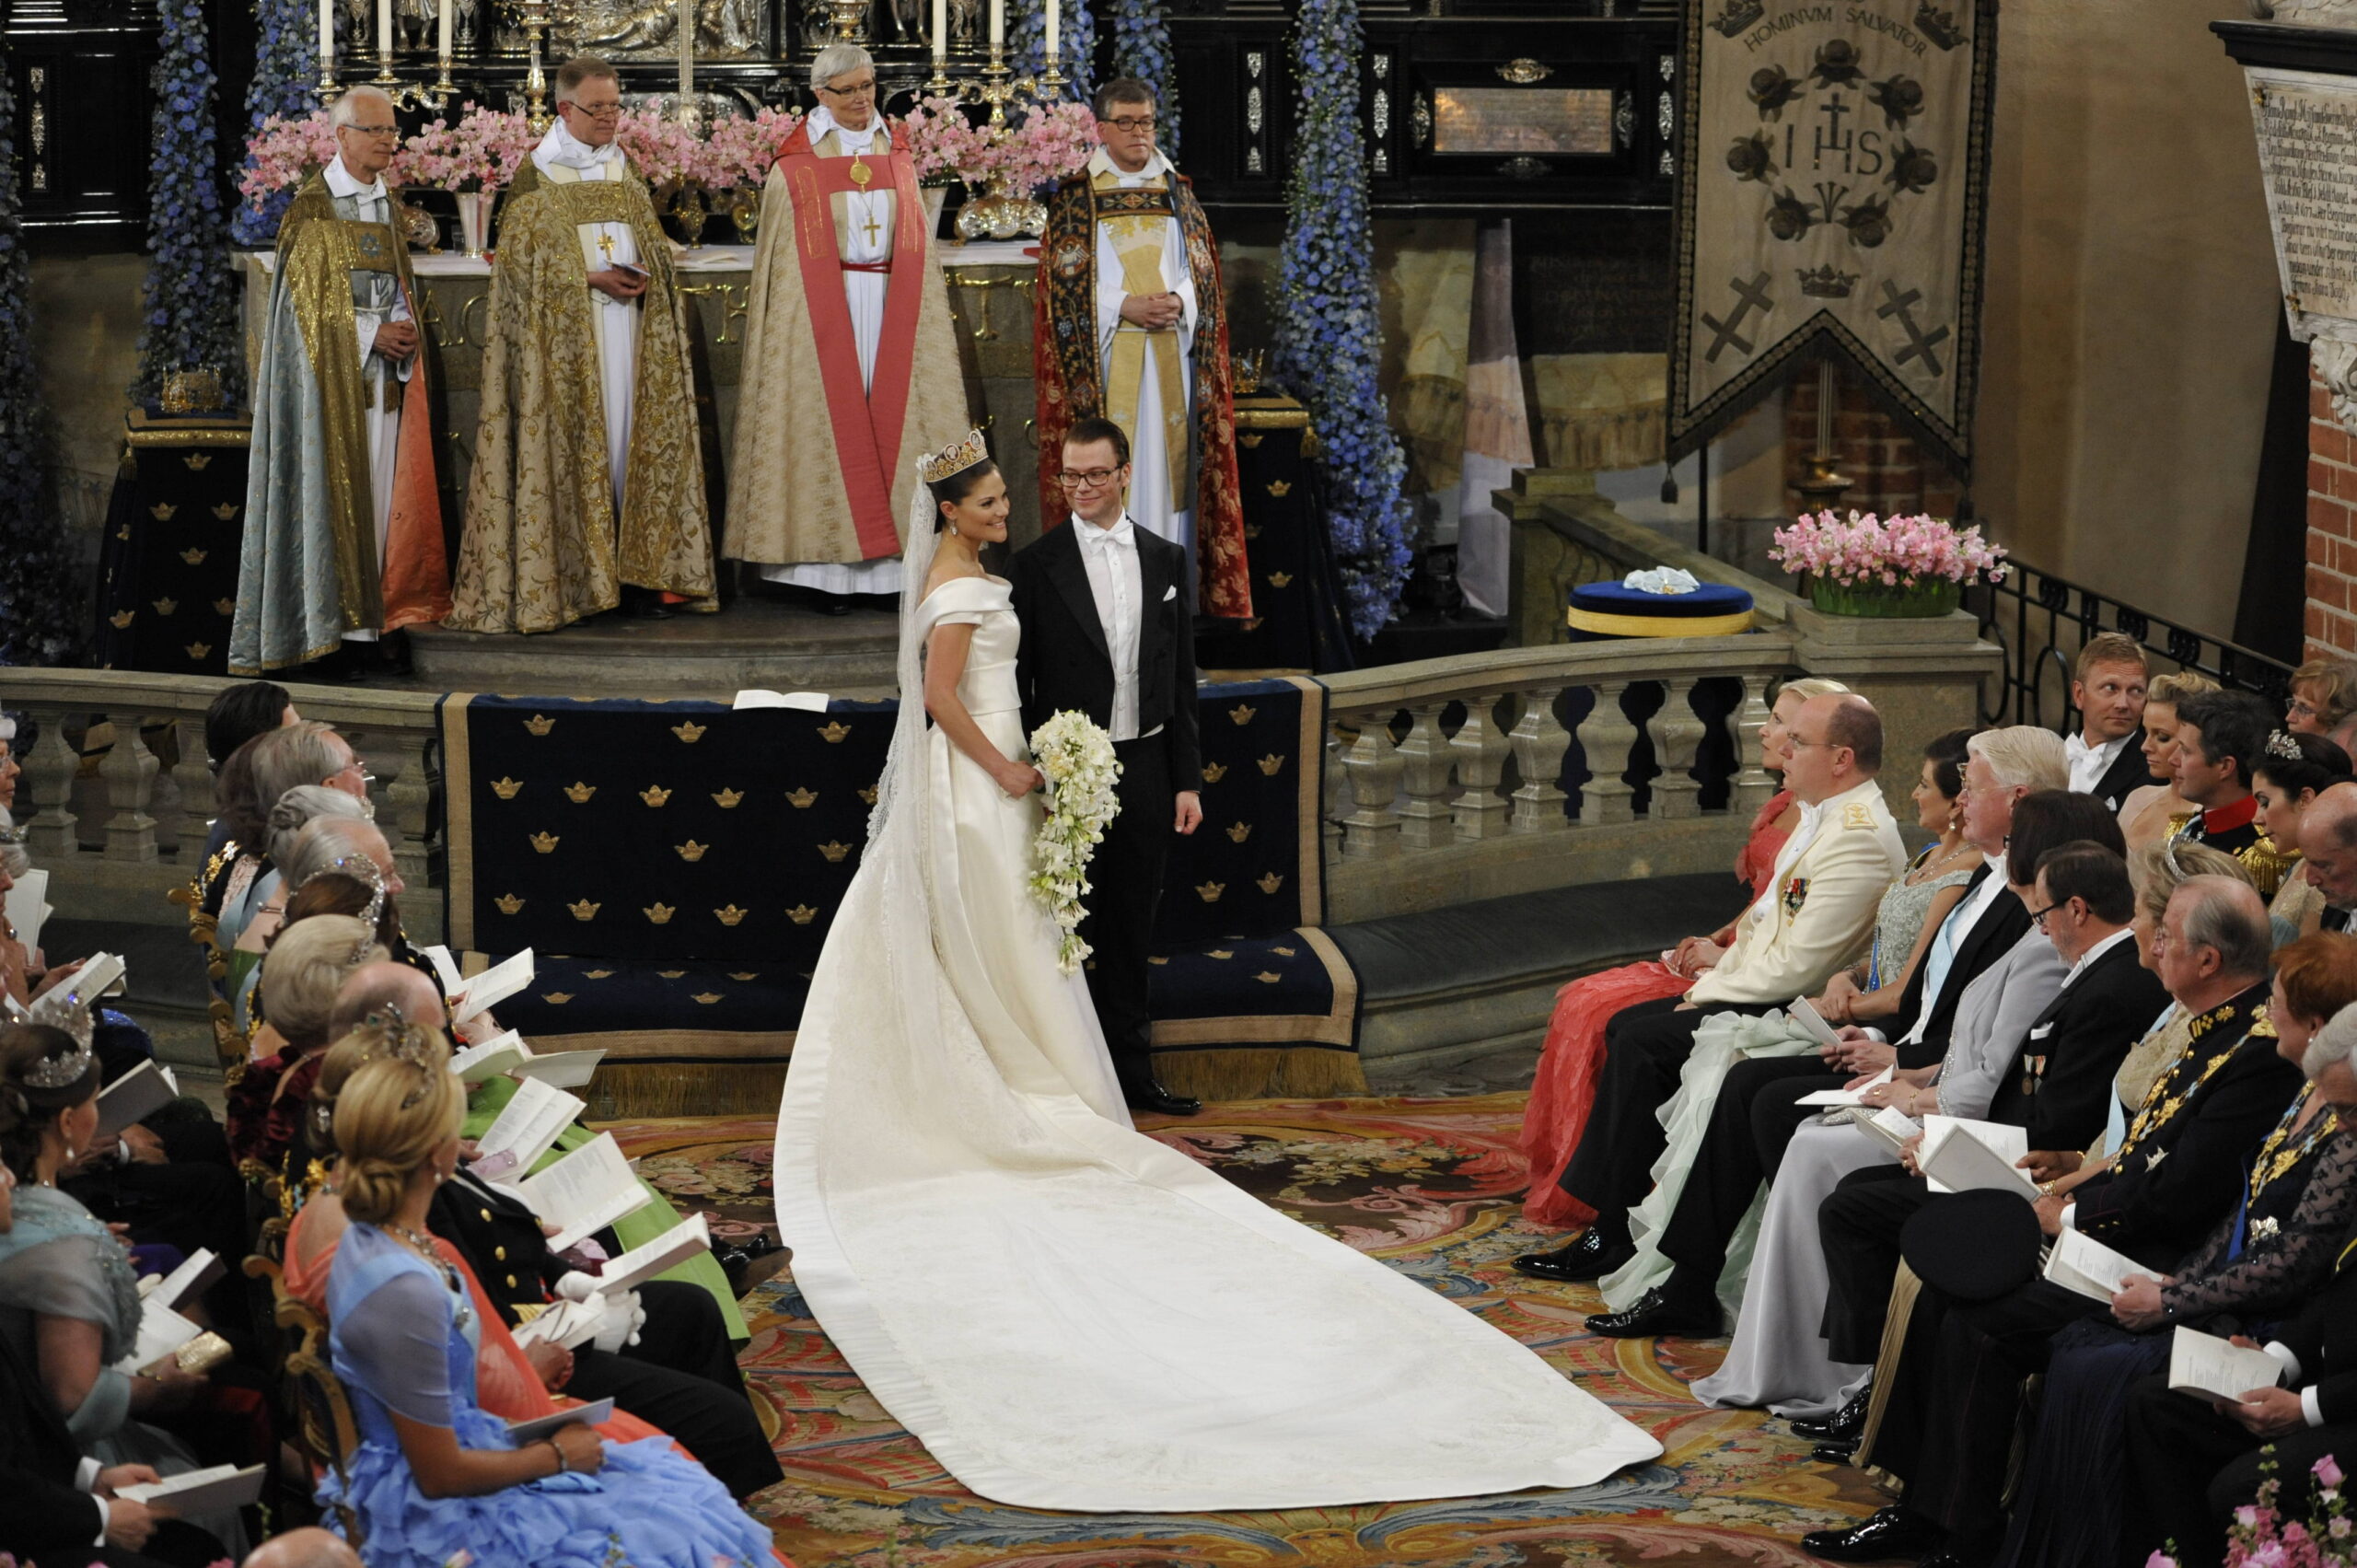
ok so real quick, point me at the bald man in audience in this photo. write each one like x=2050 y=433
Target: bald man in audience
x=2328 y=849
x=310 y=1547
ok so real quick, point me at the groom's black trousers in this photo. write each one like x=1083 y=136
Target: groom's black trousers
x=1125 y=876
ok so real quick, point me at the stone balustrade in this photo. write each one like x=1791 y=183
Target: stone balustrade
x=117 y=828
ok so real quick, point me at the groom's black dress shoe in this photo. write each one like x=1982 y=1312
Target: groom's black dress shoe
x=1892 y=1532
x=1147 y=1094
x=1655 y=1317
x=1844 y=1425
x=1589 y=1257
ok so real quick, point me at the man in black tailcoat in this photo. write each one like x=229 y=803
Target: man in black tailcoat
x=1109 y=631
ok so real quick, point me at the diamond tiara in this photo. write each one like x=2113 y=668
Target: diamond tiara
x=2282 y=745
x=938 y=465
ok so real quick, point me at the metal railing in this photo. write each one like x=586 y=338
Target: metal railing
x=2041 y=621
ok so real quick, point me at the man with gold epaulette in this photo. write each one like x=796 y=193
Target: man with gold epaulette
x=1130 y=325
x=588 y=476
x=343 y=521
x=2221 y=737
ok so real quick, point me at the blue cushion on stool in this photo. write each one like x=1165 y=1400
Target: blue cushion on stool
x=1611 y=609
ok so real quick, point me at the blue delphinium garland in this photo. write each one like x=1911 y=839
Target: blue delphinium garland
x=40 y=597
x=285 y=67
x=1026 y=41
x=1329 y=336
x=189 y=314
x=1142 y=49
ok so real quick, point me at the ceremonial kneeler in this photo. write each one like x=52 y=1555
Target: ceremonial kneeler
x=167 y=565
x=1297 y=594
x=674 y=868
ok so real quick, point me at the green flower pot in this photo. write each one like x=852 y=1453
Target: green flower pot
x=1923 y=599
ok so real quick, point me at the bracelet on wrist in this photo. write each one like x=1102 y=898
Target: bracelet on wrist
x=554 y=1448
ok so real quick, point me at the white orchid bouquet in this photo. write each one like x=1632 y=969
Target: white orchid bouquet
x=1076 y=758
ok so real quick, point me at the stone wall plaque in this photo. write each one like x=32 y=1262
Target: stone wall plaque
x=2307 y=124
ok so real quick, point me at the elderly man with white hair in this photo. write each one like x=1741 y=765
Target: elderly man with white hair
x=343 y=520
x=819 y=487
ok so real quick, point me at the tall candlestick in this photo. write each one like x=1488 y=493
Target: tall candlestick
x=687 y=62
x=442 y=43
x=327 y=36
x=940 y=30
x=1051 y=19
x=998 y=23
x=385 y=30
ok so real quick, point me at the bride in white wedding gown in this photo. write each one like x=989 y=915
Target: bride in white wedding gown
x=1067 y=1313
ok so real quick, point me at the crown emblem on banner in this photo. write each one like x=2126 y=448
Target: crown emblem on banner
x=1271 y=883
x=585 y=910
x=834 y=852
x=727 y=799
x=706 y=997
x=579 y=793
x=1222 y=954
x=544 y=843
x=508 y=903
x=123 y=618
x=557 y=998
x=1937 y=25
x=1738 y=16
x=538 y=724
x=742 y=974
x=193 y=557
x=505 y=788
x=834 y=732
x=660 y=913
x=227 y=510
x=670 y=975
x=730 y=915
x=198 y=650
x=162 y=511
x=1828 y=282
x=609 y=974
x=1280 y=579
x=655 y=795
x=198 y=461
x=867 y=795
x=1209 y=891
x=1214 y=772
x=690 y=732
x=1270 y=764
x=1282 y=952
x=165 y=605
x=691 y=852
x=1239 y=832
x=1268 y=977
x=803 y=800
x=225 y=607
x=953 y=460
x=1242 y=713
x=802 y=915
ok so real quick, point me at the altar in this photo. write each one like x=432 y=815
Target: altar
x=990 y=294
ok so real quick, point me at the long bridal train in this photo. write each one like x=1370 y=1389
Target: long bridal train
x=1067 y=1313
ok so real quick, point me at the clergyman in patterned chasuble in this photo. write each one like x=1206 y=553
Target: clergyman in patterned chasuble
x=588 y=475
x=1130 y=324
x=851 y=364
x=343 y=524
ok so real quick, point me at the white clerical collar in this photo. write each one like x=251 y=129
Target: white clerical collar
x=563 y=149
x=342 y=183
x=822 y=120
x=1102 y=162
x=1121 y=535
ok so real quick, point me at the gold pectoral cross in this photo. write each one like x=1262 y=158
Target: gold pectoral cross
x=606 y=246
x=870 y=227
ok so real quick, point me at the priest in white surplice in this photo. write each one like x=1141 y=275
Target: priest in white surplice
x=851 y=366
x=588 y=476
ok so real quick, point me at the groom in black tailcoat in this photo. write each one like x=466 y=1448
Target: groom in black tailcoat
x=1109 y=630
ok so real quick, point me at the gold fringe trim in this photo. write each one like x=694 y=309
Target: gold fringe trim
x=636 y=1091
x=1235 y=1073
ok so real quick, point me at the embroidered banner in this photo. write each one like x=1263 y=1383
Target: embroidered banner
x=1833 y=189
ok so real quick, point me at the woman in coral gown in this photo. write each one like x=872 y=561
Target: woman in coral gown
x=1565 y=1091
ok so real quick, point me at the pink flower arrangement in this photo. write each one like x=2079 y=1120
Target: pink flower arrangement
x=1894 y=552
x=482 y=151
x=2261 y=1537
x=1037 y=151
x=1050 y=143
x=284 y=153
x=941 y=142
x=740 y=150
x=662 y=150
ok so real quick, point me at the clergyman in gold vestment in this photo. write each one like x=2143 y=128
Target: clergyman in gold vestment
x=851 y=366
x=588 y=476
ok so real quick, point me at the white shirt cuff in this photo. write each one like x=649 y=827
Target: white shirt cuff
x=2310 y=1407
x=2070 y=1216
x=1875 y=1035
x=86 y=1474
x=2291 y=1361
x=100 y=1538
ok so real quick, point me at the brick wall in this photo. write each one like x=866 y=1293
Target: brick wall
x=1889 y=472
x=2332 y=530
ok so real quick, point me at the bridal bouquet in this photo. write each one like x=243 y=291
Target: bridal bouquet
x=1076 y=758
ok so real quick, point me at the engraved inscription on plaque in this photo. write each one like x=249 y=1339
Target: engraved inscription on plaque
x=1560 y=121
x=2308 y=155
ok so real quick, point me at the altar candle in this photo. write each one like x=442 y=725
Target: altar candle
x=940 y=30
x=442 y=45
x=998 y=23
x=1052 y=19
x=687 y=58
x=385 y=28
x=327 y=35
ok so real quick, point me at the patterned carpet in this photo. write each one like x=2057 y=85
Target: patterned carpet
x=1431 y=1187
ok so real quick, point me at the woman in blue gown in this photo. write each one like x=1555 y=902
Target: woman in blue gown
x=433 y=1473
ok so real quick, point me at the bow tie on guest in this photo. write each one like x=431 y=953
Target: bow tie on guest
x=1120 y=535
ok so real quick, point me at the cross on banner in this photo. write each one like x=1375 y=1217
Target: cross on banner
x=1920 y=343
x=1746 y=297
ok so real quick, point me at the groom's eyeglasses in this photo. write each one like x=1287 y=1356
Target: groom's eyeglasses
x=1088 y=479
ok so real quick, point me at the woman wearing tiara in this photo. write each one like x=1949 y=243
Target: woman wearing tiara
x=1069 y=1314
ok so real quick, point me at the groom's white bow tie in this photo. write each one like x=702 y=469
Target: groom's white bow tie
x=1120 y=535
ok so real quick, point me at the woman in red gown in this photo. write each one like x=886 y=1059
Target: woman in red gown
x=1565 y=1091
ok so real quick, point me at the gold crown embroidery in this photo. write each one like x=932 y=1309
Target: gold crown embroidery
x=225 y=607
x=706 y=997
x=544 y=843
x=655 y=795
x=1280 y=579
x=833 y=732
x=538 y=724
x=690 y=732
x=166 y=606
x=1267 y=977
x=123 y=618
x=730 y=915
x=1243 y=713
x=1282 y=952
x=599 y=974
x=227 y=510
x=1270 y=764
x=1220 y=953
x=162 y=511
x=1280 y=487
x=867 y=795
x=505 y=788
x=557 y=998
x=748 y=974
x=802 y=915
x=727 y=799
x=508 y=903
x=1251 y=531
x=579 y=793
x=585 y=910
x=689 y=851
x=803 y=800
x=1209 y=891
x=660 y=913
x=193 y=557
x=1214 y=772
x=196 y=460
x=198 y=650
x=834 y=852
x=1271 y=883
x=670 y=975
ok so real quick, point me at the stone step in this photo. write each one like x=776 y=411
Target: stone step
x=753 y=641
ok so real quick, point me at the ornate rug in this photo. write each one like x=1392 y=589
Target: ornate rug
x=1431 y=1187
